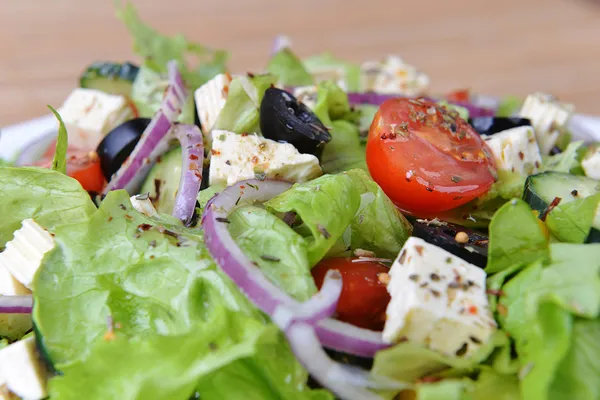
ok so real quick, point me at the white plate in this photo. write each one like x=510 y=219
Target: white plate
x=39 y=132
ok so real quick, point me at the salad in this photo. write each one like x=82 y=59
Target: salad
x=316 y=230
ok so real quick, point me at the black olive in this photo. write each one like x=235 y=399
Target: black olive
x=114 y=149
x=555 y=150
x=490 y=125
x=444 y=236
x=284 y=119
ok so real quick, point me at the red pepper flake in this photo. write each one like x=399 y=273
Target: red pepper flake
x=225 y=91
x=551 y=207
x=144 y=227
x=129 y=217
x=254 y=160
x=244 y=134
x=419 y=250
x=193 y=166
x=193 y=157
x=473 y=310
x=110 y=218
x=521 y=155
x=215 y=152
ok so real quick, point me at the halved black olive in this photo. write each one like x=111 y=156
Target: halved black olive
x=284 y=119
x=490 y=125
x=474 y=250
x=114 y=149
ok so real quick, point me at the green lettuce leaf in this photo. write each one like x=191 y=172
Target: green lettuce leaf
x=378 y=226
x=206 y=194
x=491 y=385
x=577 y=375
x=348 y=211
x=332 y=102
x=509 y=106
x=279 y=252
x=516 y=237
x=148 y=91
x=571 y=221
x=241 y=111
x=407 y=362
x=211 y=352
x=448 y=389
x=289 y=69
x=569 y=161
x=325 y=205
x=157 y=50
x=122 y=294
x=119 y=264
x=479 y=212
x=345 y=150
x=51 y=198
x=540 y=303
x=327 y=61
x=367 y=114
x=59 y=162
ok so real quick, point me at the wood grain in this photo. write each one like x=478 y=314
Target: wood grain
x=494 y=47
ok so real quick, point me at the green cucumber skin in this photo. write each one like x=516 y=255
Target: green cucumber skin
x=110 y=77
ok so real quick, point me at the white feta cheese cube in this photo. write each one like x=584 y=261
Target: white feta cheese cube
x=306 y=95
x=210 y=99
x=548 y=117
x=143 y=205
x=516 y=150
x=393 y=76
x=591 y=164
x=90 y=114
x=437 y=300
x=22 y=372
x=239 y=157
x=23 y=255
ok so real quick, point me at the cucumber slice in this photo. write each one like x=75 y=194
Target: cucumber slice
x=542 y=188
x=110 y=77
x=162 y=182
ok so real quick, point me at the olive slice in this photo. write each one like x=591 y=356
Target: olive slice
x=490 y=125
x=444 y=235
x=284 y=119
x=114 y=149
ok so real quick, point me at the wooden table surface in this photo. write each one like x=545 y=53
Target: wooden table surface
x=494 y=47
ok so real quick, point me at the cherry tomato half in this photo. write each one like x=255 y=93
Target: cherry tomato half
x=82 y=165
x=426 y=158
x=364 y=297
x=460 y=95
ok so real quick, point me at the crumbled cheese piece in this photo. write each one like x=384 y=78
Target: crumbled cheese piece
x=393 y=76
x=90 y=114
x=239 y=157
x=591 y=164
x=306 y=95
x=548 y=117
x=143 y=205
x=22 y=372
x=516 y=150
x=210 y=99
x=23 y=255
x=437 y=300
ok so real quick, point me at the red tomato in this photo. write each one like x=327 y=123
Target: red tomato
x=364 y=297
x=426 y=158
x=460 y=95
x=82 y=165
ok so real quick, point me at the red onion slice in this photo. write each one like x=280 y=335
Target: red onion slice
x=133 y=171
x=192 y=148
x=378 y=98
x=21 y=304
x=322 y=305
x=253 y=283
